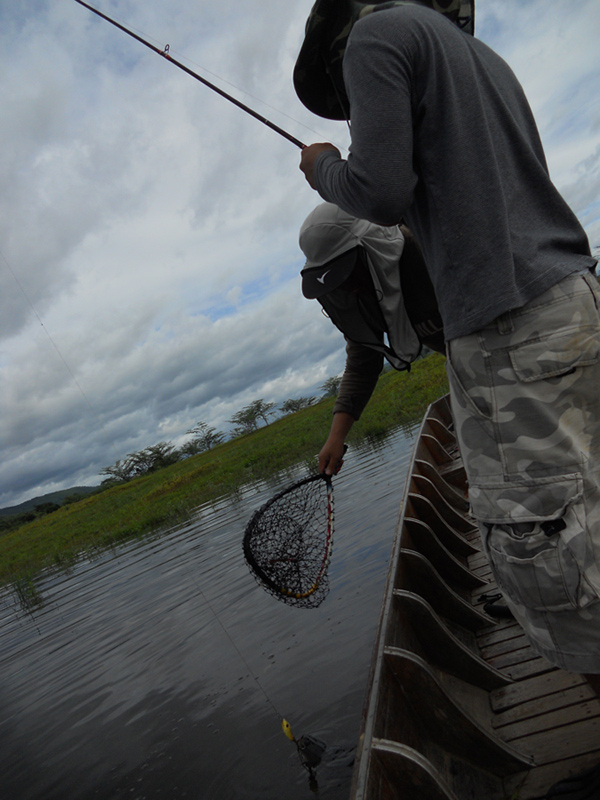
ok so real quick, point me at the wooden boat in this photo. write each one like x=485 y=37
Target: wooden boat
x=459 y=707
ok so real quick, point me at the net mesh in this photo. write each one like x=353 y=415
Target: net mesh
x=288 y=542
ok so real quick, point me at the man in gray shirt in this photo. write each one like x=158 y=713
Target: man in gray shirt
x=444 y=139
x=443 y=136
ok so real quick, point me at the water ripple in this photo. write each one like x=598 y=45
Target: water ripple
x=159 y=669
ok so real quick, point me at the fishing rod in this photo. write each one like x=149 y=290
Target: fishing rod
x=165 y=54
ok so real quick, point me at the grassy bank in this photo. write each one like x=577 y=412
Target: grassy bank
x=165 y=497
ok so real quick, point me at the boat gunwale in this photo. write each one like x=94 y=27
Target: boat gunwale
x=362 y=764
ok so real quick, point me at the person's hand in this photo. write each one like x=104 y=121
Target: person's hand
x=308 y=157
x=332 y=453
x=331 y=457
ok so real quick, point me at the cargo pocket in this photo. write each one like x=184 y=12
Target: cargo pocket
x=537 y=542
x=556 y=354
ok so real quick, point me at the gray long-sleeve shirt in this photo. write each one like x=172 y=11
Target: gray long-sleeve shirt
x=363 y=368
x=443 y=136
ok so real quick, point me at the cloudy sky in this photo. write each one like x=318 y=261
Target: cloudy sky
x=148 y=228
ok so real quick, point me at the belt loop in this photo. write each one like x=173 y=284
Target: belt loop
x=505 y=323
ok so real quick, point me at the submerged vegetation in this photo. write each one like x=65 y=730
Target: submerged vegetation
x=169 y=495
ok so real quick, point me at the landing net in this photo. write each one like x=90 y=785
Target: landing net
x=288 y=542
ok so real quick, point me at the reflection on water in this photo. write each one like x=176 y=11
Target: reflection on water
x=162 y=670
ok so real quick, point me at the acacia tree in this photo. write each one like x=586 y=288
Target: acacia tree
x=263 y=410
x=247 y=419
x=119 y=472
x=205 y=438
x=160 y=455
x=141 y=463
x=292 y=405
x=331 y=386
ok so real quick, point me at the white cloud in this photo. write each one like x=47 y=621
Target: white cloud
x=553 y=50
x=153 y=226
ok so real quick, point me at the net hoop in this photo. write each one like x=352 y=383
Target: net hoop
x=253 y=528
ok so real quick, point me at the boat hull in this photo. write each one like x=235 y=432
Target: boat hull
x=458 y=706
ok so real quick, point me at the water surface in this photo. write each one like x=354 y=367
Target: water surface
x=161 y=669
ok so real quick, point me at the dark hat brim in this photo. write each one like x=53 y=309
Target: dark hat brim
x=317 y=281
x=318 y=76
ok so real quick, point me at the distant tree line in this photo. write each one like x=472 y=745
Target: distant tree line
x=160 y=455
x=204 y=438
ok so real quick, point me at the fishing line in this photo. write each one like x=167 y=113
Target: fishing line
x=258 y=99
x=166 y=54
x=310 y=749
x=240 y=654
x=93 y=410
x=58 y=352
x=191 y=61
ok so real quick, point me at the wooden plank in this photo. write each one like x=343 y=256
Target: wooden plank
x=452 y=494
x=476 y=593
x=504 y=630
x=446 y=437
x=573 y=711
x=422 y=508
x=514 y=657
x=483 y=571
x=453 y=472
x=453 y=517
x=504 y=646
x=417 y=535
x=478 y=560
x=441 y=409
x=539 y=705
x=439 y=454
x=534 y=784
x=457 y=520
x=527 y=669
x=516 y=694
x=502 y=633
x=575 y=739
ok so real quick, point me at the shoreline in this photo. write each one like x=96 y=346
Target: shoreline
x=169 y=496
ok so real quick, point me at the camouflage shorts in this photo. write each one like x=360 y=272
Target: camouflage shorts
x=526 y=400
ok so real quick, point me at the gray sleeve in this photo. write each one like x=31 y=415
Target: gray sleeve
x=363 y=367
x=377 y=181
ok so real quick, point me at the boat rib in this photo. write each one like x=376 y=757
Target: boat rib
x=458 y=705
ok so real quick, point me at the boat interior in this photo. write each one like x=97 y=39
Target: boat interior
x=459 y=706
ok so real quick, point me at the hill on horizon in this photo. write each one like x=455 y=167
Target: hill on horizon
x=52 y=497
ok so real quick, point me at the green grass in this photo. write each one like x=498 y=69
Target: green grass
x=168 y=496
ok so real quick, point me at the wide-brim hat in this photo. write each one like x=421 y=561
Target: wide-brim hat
x=318 y=77
x=317 y=281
